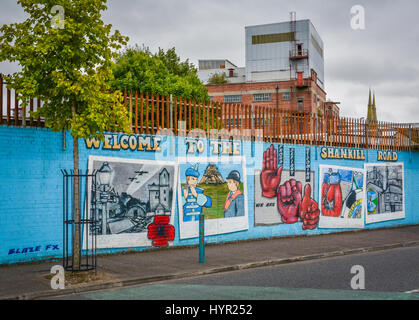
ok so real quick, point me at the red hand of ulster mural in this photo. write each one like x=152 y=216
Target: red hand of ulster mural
x=309 y=210
x=289 y=200
x=270 y=177
x=291 y=204
x=331 y=201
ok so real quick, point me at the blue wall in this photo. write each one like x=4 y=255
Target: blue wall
x=31 y=190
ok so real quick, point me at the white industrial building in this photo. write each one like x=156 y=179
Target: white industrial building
x=274 y=52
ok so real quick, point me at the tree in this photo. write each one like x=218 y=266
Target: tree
x=162 y=73
x=173 y=63
x=65 y=52
x=218 y=78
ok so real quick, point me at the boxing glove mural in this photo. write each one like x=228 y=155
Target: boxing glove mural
x=331 y=202
x=341 y=194
x=291 y=203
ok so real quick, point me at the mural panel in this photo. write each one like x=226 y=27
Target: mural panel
x=341 y=196
x=215 y=187
x=279 y=193
x=134 y=202
x=384 y=192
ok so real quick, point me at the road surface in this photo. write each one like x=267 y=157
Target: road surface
x=389 y=274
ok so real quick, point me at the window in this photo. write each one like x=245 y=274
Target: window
x=300 y=104
x=286 y=96
x=259 y=97
x=299 y=49
x=233 y=123
x=258 y=122
x=273 y=37
x=233 y=98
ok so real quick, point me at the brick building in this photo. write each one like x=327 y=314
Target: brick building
x=331 y=109
x=284 y=68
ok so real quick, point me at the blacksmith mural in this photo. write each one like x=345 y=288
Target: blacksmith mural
x=134 y=202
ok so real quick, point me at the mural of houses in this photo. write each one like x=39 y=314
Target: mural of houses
x=387 y=184
x=160 y=195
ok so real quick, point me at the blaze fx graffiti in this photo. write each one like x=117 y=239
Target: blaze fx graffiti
x=341 y=194
x=133 y=196
x=293 y=202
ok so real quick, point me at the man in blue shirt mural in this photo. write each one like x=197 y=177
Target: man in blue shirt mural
x=234 y=205
x=193 y=198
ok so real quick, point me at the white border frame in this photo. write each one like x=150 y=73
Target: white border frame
x=383 y=216
x=338 y=222
x=218 y=226
x=129 y=240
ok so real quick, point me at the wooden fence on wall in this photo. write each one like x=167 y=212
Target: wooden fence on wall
x=153 y=112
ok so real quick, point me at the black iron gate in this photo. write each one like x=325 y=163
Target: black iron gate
x=82 y=230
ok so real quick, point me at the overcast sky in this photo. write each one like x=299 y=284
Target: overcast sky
x=383 y=56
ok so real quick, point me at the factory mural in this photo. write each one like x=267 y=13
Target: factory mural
x=134 y=202
x=384 y=192
x=279 y=193
x=341 y=194
x=216 y=188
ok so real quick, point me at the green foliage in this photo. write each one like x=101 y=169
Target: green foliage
x=218 y=78
x=163 y=73
x=172 y=62
x=68 y=68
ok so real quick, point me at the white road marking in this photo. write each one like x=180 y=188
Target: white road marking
x=413 y=291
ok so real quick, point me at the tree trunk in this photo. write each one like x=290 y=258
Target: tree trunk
x=76 y=205
x=76 y=196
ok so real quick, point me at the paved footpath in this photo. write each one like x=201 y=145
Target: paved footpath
x=27 y=281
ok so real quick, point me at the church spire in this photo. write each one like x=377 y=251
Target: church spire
x=370 y=114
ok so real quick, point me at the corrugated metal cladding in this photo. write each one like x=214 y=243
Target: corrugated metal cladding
x=210 y=64
x=215 y=64
x=268 y=48
x=273 y=37
x=316 y=58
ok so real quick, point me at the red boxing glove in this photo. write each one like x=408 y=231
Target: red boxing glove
x=289 y=201
x=331 y=202
x=309 y=210
x=270 y=178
